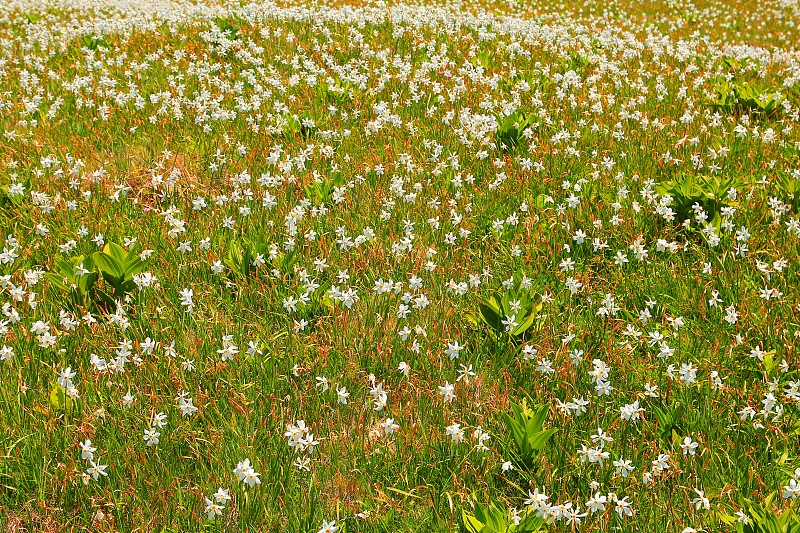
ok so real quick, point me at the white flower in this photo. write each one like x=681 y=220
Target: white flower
x=151 y=437
x=245 y=472
x=87 y=450
x=792 y=490
x=328 y=527
x=342 y=395
x=65 y=378
x=689 y=446
x=186 y=296
x=96 y=469
x=455 y=432
x=213 y=509
x=222 y=496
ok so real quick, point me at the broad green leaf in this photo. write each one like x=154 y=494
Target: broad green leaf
x=109 y=265
x=539 y=440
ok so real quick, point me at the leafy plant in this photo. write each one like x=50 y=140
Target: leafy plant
x=93 y=43
x=59 y=399
x=511 y=312
x=510 y=130
x=794 y=93
x=338 y=93
x=688 y=16
x=296 y=125
x=319 y=304
x=733 y=64
x=789 y=191
x=243 y=257
x=526 y=427
x=675 y=422
x=493 y=518
x=246 y=256
x=285 y=261
x=76 y=277
x=763 y=518
x=536 y=82
x=482 y=59
x=687 y=192
x=118 y=267
x=14 y=193
x=739 y=97
x=228 y=26
x=321 y=189
x=576 y=62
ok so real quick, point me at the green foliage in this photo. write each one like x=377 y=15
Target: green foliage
x=336 y=93
x=298 y=126
x=517 y=302
x=510 y=130
x=735 y=65
x=709 y=193
x=526 y=427
x=245 y=256
x=789 y=191
x=319 y=304
x=482 y=59
x=8 y=199
x=320 y=190
x=78 y=287
x=688 y=16
x=118 y=267
x=228 y=26
x=742 y=97
x=493 y=518
x=763 y=518
x=675 y=422
x=59 y=399
x=93 y=43
x=577 y=63
x=536 y=82
x=794 y=93
x=78 y=277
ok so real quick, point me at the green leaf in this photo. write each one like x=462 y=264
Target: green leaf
x=490 y=313
x=530 y=524
x=516 y=429
x=109 y=265
x=105 y=299
x=538 y=417
x=58 y=398
x=525 y=325
x=116 y=251
x=539 y=440
x=769 y=361
x=471 y=524
x=57 y=281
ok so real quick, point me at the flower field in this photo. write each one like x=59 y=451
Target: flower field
x=477 y=267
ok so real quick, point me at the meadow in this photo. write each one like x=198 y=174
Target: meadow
x=475 y=267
